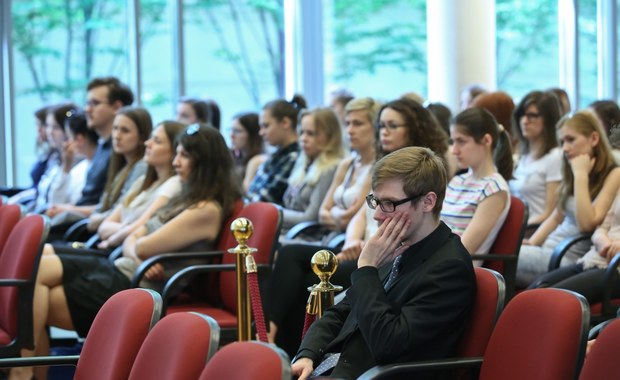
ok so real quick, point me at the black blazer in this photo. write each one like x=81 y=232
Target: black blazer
x=420 y=317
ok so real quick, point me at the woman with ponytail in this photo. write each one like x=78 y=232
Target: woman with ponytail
x=590 y=180
x=478 y=200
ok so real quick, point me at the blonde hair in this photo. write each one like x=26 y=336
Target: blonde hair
x=325 y=123
x=585 y=123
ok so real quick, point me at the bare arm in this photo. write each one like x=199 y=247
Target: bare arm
x=547 y=227
x=486 y=216
x=195 y=224
x=111 y=224
x=251 y=168
x=325 y=216
x=589 y=214
x=354 y=242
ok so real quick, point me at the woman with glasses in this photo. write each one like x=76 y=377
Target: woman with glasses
x=477 y=202
x=70 y=289
x=246 y=144
x=536 y=176
x=401 y=123
x=590 y=181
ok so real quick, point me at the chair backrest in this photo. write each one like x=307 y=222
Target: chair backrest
x=488 y=305
x=601 y=360
x=9 y=216
x=178 y=347
x=541 y=334
x=117 y=333
x=267 y=221
x=509 y=237
x=258 y=361
x=19 y=260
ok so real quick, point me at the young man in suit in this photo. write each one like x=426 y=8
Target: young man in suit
x=412 y=292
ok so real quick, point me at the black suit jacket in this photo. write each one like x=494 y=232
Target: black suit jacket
x=420 y=317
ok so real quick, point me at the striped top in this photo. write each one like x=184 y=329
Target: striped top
x=463 y=195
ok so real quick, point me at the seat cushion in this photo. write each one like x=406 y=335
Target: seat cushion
x=224 y=318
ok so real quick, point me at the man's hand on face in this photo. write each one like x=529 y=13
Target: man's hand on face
x=386 y=243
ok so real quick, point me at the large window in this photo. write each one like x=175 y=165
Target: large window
x=234 y=53
x=527 y=46
x=376 y=48
x=588 y=70
x=57 y=46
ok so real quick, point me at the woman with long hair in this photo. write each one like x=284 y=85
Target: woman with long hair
x=477 y=201
x=246 y=142
x=590 y=180
x=70 y=289
x=536 y=177
x=322 y=148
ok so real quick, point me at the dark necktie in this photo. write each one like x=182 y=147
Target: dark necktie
x=393 y=273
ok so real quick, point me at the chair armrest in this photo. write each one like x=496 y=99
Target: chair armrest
x=15 y=282
x=302 y=227
x=169 y=257
x=68 y=250
x=388 y=371
x=337 y=242
x=76 y=230
x=609 y=280
x=562 y=248
x=494 y=256
x=171 y=287
x=39 y=361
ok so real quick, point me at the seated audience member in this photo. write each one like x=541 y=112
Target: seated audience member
x=469 y=93
x=537 y=175
x=501 y=106
x=352 y=179
x=55 y=139
x=70 y=289
x=105 y=96
x=477 y=202
x=412 y=270
x=338 y=100
x=443 y=115
x=77 y=154
x=401 y=122
x=192 y=110
x=215 y=115
x=411 y=95
x=278 y=127
x=590 y=180
x=150 y=192
x=321 y=150
x=132 y=126
x=246 y=142
x=587 y=276
x=608 y=114
x=563 y=99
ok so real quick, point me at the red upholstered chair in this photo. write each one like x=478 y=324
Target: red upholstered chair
x=489 y=303
x=19 y=263
x=601 y=360
x=9 y=216
x=248 y=360
x=504 y=252
x=178 y=347
x=266 y=218
x=113 y=341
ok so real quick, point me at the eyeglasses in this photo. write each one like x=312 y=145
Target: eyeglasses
x=94 y=103
x=192 y=129
x=236 y=131
x=391 y=126
x=531 y=115
x=387 y=206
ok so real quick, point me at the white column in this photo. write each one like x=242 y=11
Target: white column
x=461 y=47
x=607 y=38
x=7 y=168
x=569 y=49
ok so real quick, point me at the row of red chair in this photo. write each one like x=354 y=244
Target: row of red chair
x=126 y=341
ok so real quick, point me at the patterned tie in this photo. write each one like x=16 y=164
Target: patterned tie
x=393 y=273
x=328 y=363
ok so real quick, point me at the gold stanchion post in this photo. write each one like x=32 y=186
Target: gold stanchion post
x=324 y=264
x=242 y=229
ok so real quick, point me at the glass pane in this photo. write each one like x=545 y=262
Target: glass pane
x=234 y=53
x=588 y=69
x=376 y=48
x=58 y=46
x=156 y=59
x=527 y=46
